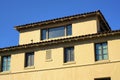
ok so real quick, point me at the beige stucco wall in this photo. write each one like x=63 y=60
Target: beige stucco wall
x=83 y=68
x=87 y=26
x=79 y=27
x=25 y=37
x=114 y=50
x=72 y=73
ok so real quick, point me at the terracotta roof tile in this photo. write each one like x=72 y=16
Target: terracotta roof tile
x=61 y=40
x=66 y=18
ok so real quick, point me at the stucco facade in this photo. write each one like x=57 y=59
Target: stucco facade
x=85 y=34
x=79 y=27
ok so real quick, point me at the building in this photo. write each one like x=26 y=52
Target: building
x=77 y=47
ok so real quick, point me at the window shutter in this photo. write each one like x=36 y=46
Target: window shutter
x=48 y=55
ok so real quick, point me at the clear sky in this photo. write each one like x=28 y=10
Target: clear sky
x=17 y=12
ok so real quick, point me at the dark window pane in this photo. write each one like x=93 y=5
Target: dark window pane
x=66 y=55
x=8 y=63
x=98 y=51
x=43 y=34
x=72 y=54
x=69 y=30
x=105 y=57
x=69 y=54
x=32 y=60
x=98 y=46
x=98 y=57
x=56 y=32
x=29 y=59
x=104 y=45
x=105 y=51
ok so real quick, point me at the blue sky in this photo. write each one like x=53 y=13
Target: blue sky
x=17 y=12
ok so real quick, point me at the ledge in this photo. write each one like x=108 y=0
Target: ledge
x=102 y=61
x=29 y=67
x=61 y=40
x=68 y=63
x=5 y=72
x=48 y=60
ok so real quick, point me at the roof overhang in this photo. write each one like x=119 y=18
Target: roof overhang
x=61 y=40
x=62 y=19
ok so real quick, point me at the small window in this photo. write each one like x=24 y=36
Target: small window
x=68 y=54
x=101 y=51
x=6 y=60
x=29 y=59
x=103 y=79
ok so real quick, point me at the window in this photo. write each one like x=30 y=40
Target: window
x=56 y=32
x=68 y=54
x=102 y=79
x=6 y=60
x=101 y=51
x=29 y=59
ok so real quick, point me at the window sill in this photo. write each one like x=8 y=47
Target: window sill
x=102 y=61
x=68 y=63
x=5 y=72
x=29 y=67
x=48 y=60
x=56 y=38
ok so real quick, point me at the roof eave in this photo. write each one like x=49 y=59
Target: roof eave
x=69 y=39
x=103 y=18
x=67 y=18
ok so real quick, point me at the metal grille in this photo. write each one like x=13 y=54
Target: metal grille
x=48 y=55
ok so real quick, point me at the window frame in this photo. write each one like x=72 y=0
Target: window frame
x=102 y=54
x=5 y=64
x=47 y=32
x=70 y=54
x=26 y=64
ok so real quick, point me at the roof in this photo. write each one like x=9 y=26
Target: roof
x=59 y=20
x=62 y=40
